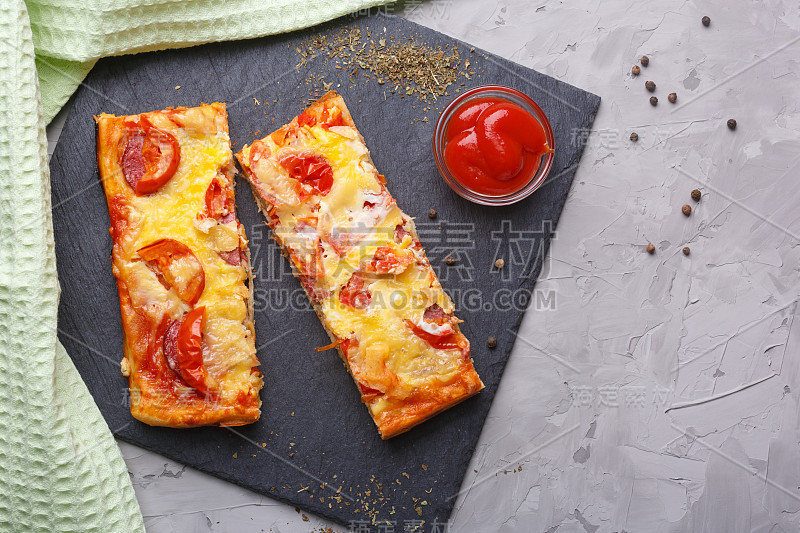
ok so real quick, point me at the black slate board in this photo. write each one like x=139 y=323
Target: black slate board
x=314 y=435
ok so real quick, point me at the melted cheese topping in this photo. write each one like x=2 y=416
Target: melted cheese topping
x=171 y=213
x=353 y=220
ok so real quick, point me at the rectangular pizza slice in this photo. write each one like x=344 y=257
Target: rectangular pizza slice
x=361 y=263
x=182 y=267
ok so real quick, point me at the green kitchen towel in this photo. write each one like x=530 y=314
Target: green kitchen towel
x=60 y=469
x=70 y=35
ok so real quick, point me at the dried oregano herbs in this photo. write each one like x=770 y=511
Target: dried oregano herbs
x=402 y=64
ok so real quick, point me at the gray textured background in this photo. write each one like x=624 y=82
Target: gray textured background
x=661 y=393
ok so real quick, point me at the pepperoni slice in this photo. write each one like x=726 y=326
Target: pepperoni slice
x=150 y=156
x=316 y=294
x=388 y=260
x=442 y=337
x=348 y=343
x=435 y=315
x=170 y=343
x=354 y=294
x=219 y=201
x=234 y=257
x=132 y=161
x=400 y=233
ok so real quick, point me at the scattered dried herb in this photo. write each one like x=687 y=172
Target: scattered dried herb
x=696 y=194
x=403 y=64
x=706 y=21
x=686 y=209
x=432 y=214
x=686 y=250
x=650 y=85
x=653 y=100
x=672 y=97
x=651 y=249
x=499 y=263
x=450 y=260
x=491 y=342
x=634 y=136
x=732 y=123
x=635 y=70
x=644 y=61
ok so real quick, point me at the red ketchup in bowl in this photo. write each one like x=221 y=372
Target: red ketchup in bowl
x=494 y=146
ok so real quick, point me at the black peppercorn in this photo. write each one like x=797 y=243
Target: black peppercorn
x=644 y=61
x=706 y=21
x=491 y=342
x=635 y=70
x=686 y=210
x=653 y=100
x=432 y=214
x=634 y=136
x=450 y=260
x=696 y=194
x=651 y=249
x=686 y=250
x=673 y=97
x=732 y=123
x=650 y=86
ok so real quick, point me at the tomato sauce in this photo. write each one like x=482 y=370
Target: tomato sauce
x=494 y=146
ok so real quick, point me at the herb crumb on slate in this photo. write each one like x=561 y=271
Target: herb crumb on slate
x=650 y=85
x=634 y=136
x=653 y=100
x=686 y=209
x=432 y=214
x=450 y=260
x=491 y=342
x=732 y=123
x=651 y=249
x=403 y=63
x=644 y=61
x=696 y=194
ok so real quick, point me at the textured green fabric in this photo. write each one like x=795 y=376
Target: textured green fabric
x=70 y=35
x=60 y=469
x=58 y=79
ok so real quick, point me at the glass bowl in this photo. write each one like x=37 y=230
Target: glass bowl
x=511 y=95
